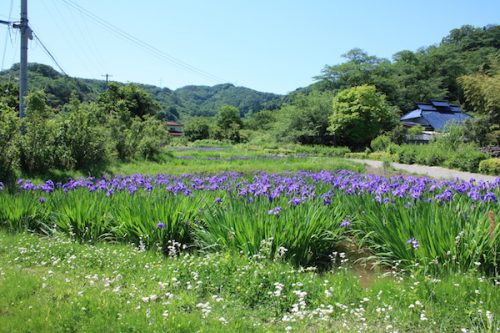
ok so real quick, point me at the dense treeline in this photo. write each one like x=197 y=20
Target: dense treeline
x=121 y=124
x=78 y=123
x=173 y=104
x=463 y=68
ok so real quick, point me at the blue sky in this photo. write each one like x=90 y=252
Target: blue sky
x=274 y=45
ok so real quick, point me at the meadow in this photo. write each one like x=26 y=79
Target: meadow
x=268 y=247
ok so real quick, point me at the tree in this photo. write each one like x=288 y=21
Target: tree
x=305 y=119
x=9 y=141
x=228 y=124
x=197 y=129
x=359 y=115
x=483 y=97
x=137 y=101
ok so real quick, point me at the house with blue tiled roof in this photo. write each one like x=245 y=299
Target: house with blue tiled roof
x=435 y=115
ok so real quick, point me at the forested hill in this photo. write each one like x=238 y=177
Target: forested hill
x=430 y=72
x=175 y=104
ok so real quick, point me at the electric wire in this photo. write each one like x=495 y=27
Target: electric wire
x=49 y=54
x=66 y=34
x=7 y=34
x=144 y=45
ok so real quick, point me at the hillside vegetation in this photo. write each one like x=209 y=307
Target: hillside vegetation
x=174 y=104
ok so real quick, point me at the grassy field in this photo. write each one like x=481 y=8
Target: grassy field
x=242 y=240
x=55 y=284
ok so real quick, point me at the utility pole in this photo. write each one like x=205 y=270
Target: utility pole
x=107 y=76
x=25 y=35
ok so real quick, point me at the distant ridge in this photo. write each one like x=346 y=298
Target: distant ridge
x=176 y=104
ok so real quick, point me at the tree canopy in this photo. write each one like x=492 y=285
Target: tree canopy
x=359 y=115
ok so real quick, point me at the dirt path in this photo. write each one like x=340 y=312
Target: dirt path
x=432 y=171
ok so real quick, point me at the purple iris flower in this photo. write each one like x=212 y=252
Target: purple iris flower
x=42 y=200
x=160 y=225
x=275 y=211
x=413 y=242
x=345 y=223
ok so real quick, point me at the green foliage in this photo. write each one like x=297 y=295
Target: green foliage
x=359 y=115
x=481 y=93
x=9 y=95
x=452 y=136
x=380 y=143
x=9 y=143
x=80 y=140
x=490 y=166
x=380 y=156
x=147 y=137
x=238 y=226
x=228 y=124
x=197 y=129
x=397 y=134
x=37 y=149
x=461 y=156
x=467 y=158
x=261 y=121
x=137 y=101
x=429 y=73
x=359 y=155
x=447 y=239
x=416 y=130
x=114 y=280
x=206 y=101
x=305 y=119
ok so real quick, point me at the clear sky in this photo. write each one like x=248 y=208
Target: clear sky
x=267 y=45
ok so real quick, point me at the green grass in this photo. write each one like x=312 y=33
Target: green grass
x=56 y=285
x=290 y=164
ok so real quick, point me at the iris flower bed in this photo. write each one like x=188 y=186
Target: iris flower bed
x=303 y=217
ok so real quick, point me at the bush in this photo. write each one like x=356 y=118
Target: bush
x=361 y=155
x=406 y=154
x=37 y=144
x=148 y=137
x=466 y=158
x=490 y=166
x=197 y=129
x=81 y=142
x=9 y=139
x=431 y=154
x=415 y=130
x=381 y=156
x=380 y=143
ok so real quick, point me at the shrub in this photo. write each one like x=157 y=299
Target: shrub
x=81 y=142
x=37 y=143
x=361 y=155
x=148 y=136
x=9 y=139
x=490 y=166
x=380 y=143
x=467 y=158
x=406 y=154
x=197 y=129
x=381 y=156
x=415 y=130
x=431 y=154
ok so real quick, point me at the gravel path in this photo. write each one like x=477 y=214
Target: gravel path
x=432 y=171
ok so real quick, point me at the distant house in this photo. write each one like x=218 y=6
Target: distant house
x=435 y=115
x=174 y=128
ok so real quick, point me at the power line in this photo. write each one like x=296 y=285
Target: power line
x=7 y=34
x=49 y=54
x=154 y=50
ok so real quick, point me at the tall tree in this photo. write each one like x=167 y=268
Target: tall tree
x=359 y=115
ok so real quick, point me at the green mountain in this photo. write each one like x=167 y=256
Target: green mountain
x=175 y=104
